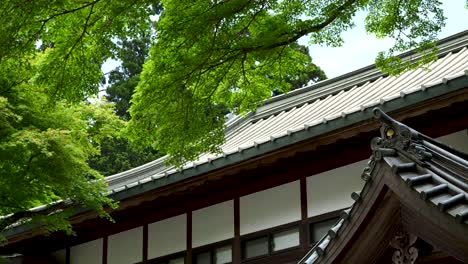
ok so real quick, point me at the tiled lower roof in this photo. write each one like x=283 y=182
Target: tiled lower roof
x=437 y=173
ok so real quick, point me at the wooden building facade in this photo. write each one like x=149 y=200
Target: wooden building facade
x=283 y=180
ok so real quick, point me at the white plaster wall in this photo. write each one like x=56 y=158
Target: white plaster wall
x=270 y=208
x=212 y=224
x=331 y=190
x=125 y=247
x=60 y=256
x=167 y=236
x=457 y=140
x=87 y=253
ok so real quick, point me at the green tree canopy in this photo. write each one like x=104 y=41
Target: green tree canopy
x=44 y=146
x=51 y=53
x=211 y=55
x=123 y=79
x=117 y=154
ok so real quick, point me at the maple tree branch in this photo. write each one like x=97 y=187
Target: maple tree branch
x=298 y=34
x=64 y=12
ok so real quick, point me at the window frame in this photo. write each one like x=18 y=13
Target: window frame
x=269 y=233
x=318 y=219
x=166 y=258
x=211 y=248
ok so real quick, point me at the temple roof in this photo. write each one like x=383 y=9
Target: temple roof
x=432 y=173
x=309 y=112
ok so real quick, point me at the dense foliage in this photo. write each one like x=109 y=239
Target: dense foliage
x=116 y=153
x=51 y=53
x=44 y=146
x=212 y=55
x=207 y=58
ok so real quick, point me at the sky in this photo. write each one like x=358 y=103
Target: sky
x=359 y=49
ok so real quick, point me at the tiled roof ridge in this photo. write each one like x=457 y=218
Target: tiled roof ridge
x=398 y=139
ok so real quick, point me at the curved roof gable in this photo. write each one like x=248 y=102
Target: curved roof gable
x=413 y=183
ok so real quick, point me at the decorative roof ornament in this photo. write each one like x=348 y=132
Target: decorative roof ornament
x=397 y=136
x=406 y=252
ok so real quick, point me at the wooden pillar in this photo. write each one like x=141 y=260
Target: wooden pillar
x=104 y=249
x=189 y=238
x=236 y=246
x=304 y=228
x=145 y=243
x=67 y=255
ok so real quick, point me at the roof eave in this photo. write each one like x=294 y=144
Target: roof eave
x=295 y=137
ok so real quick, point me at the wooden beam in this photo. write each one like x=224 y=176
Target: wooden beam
x=236 y=247
x=67 y=255
x=104 y=249
x=145 y=243
x=304 y=227
x=189 y=256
